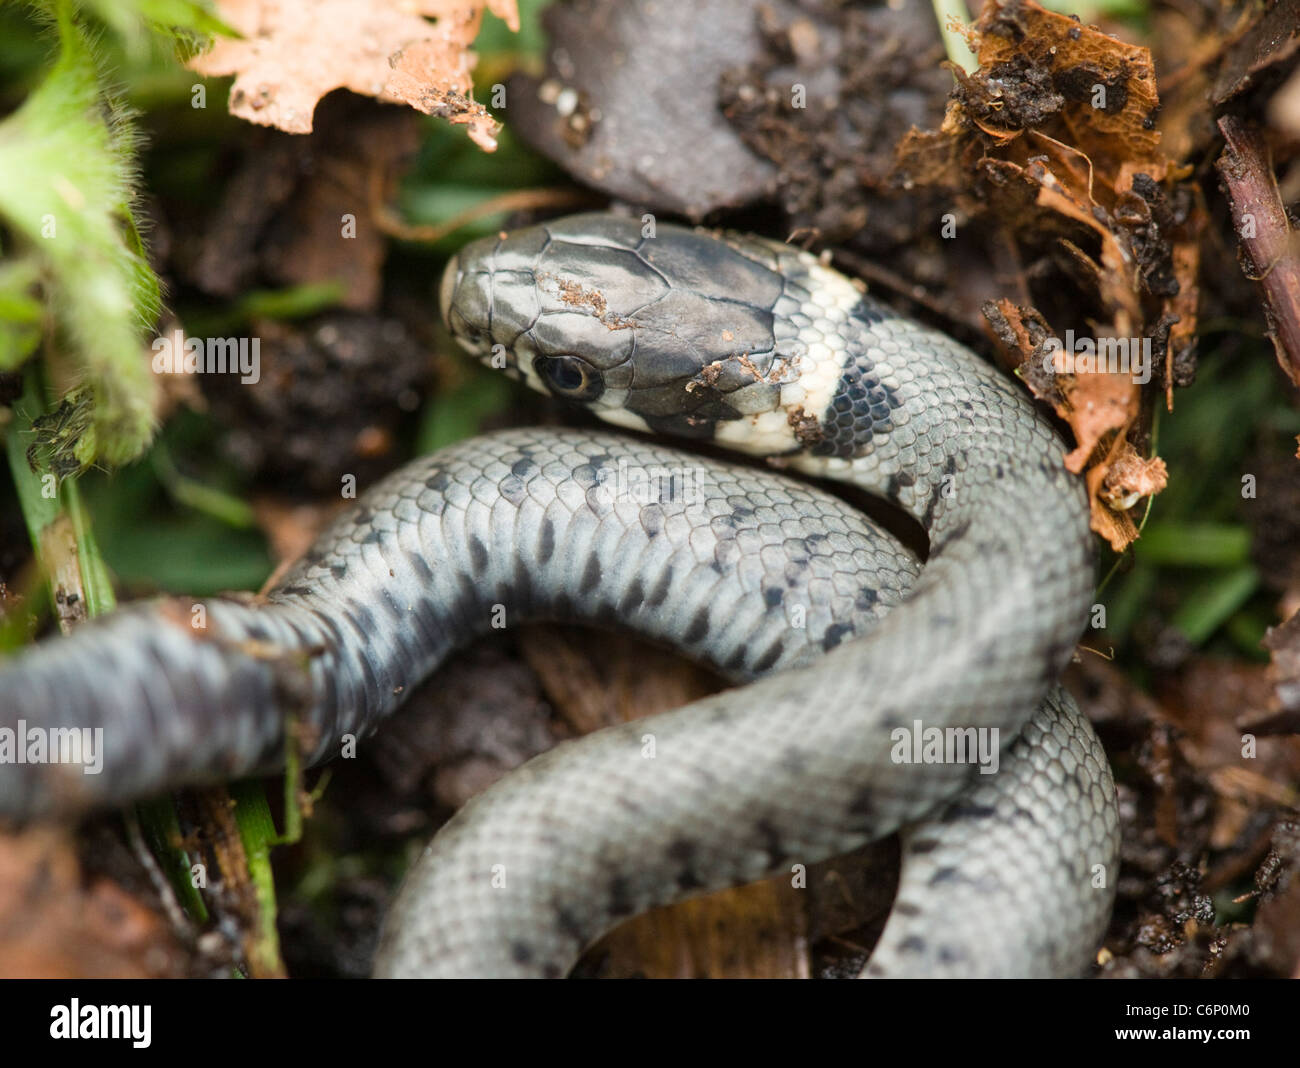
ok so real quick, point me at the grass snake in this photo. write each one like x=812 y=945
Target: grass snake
x=849 y=647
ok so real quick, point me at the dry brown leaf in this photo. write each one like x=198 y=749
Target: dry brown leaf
x=1095 y=405
x=1132 y=477
x=1055 y=136
x=59 y=924
x=1283 y=644
x=1123 y=480
x=1183 y=305
x=759 y=931
x=296 y=51
x=1116 y=136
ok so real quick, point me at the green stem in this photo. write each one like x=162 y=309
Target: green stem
x=257 y=831
x=959 y=52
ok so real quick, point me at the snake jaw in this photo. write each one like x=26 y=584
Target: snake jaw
x=447 y=288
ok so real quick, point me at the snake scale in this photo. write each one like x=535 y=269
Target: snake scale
x=846 y=643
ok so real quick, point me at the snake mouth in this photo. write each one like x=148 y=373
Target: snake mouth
x=447 y=290
x=474 y=337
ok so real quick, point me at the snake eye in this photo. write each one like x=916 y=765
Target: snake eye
x=570 y=377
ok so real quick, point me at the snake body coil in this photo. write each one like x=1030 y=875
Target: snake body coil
x=748 y=344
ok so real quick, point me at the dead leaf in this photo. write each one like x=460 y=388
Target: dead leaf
x=1055 y=137
x=1283 y=716
x=1132 y=477
x=59 y=925
x=293 y=53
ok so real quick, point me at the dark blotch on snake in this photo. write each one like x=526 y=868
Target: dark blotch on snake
x=546 y=541
x=362 y=618
x=424 y=616
x=478 y=554
x=605 y=614
x=965 y=810
x=936 y=492
x=335 y=635
x=568 y=924
x=590 y=575
x=699 y=627
x=835 y=634
x=420 y=566
x=620 y=897
x=794 y=761
x=862 y=809
x=632 y=599
x=652 y=520
x=523 y=584
x=957 y=532
x=771 y=842
x=719 y=714
x=660 y=592
x=683 y=851
x=770 y=657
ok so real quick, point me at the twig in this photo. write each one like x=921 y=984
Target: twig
x=895 y=283
x=162 y=886
x=517 y=200
x=1268 y=244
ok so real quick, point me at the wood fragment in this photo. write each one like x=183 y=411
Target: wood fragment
x=1268 y=243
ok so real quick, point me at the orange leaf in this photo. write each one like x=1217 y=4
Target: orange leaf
x=295 y=51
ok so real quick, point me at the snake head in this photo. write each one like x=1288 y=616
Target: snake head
x=671 y=329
